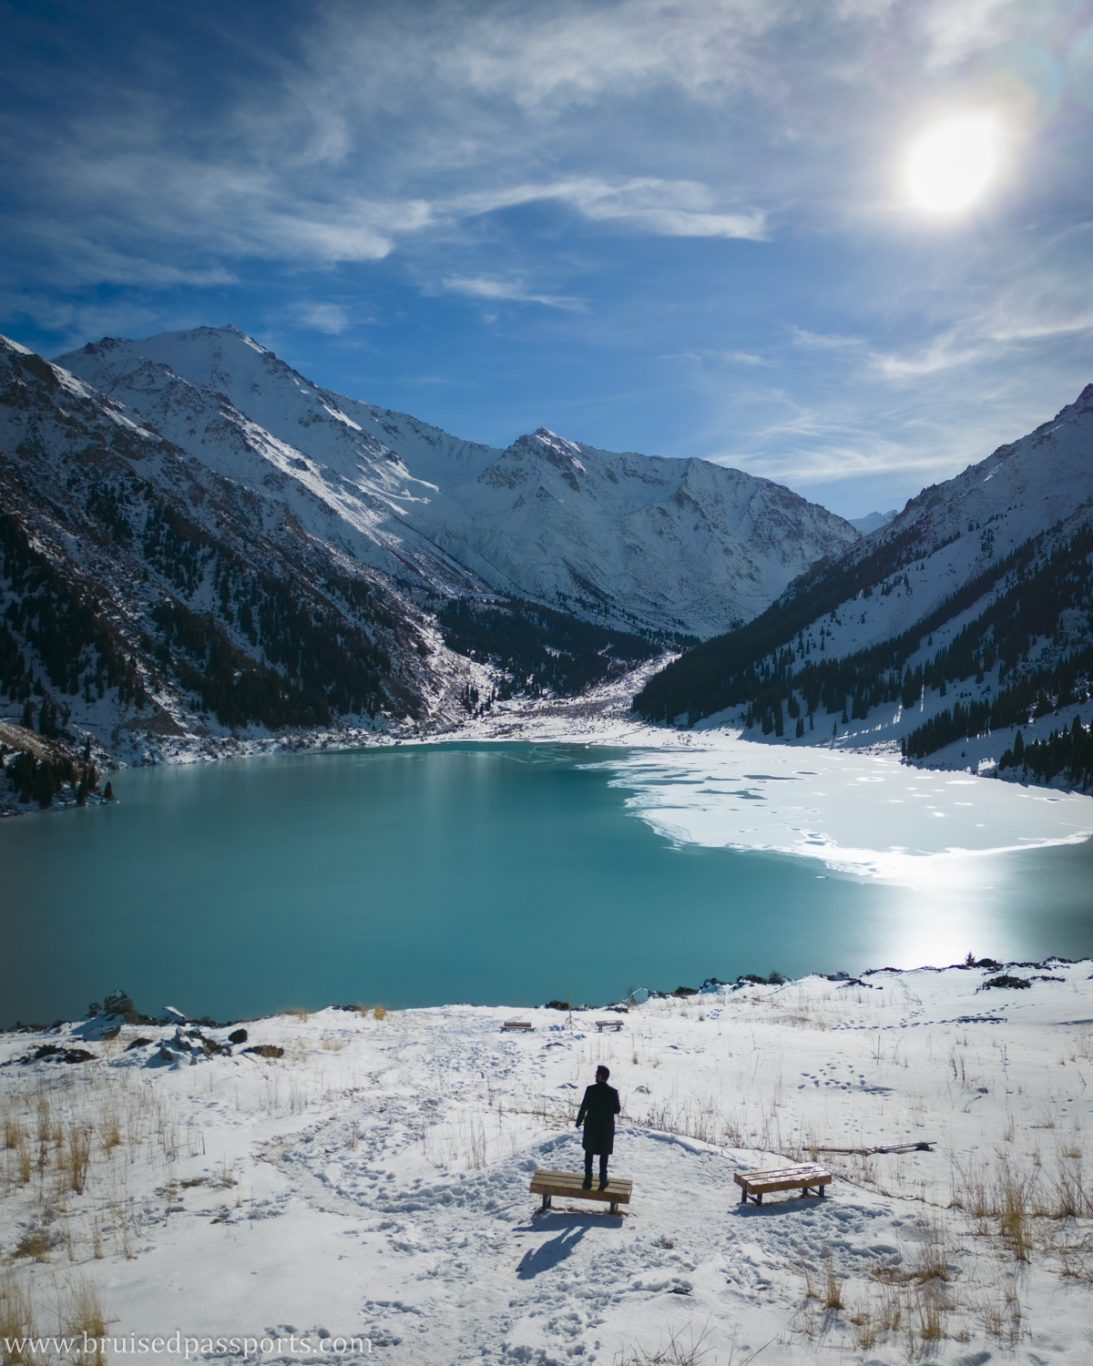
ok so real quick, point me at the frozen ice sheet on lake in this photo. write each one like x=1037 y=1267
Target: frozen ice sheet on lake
x=860 y=813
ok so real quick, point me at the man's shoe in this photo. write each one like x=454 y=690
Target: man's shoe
x=586 y=1184
x=603 y=1183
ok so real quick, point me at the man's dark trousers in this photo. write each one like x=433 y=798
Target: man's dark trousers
x=588 y=1166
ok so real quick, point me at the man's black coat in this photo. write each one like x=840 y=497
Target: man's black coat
x=597 y=1114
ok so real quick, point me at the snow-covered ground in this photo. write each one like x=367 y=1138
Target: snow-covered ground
x=372 y=1182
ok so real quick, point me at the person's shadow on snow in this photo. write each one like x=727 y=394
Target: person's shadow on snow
x=550 y=1253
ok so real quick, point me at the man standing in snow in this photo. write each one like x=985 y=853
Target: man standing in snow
x=597 y=1114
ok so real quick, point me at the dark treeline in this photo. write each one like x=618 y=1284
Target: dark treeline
x=1032 y=695
x=1067 y=752
x=732 y=668
x=58 y=624
x=298 y=649
x=40 y=777
x=538 y=650
x=1037 y=597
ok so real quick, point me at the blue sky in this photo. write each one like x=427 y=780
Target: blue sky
x=681 y=228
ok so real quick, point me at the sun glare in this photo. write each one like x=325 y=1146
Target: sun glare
x=950 y=166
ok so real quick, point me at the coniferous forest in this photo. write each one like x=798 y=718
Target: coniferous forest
x=1023 y=652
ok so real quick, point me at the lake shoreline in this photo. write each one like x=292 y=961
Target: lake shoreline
x=711 y=986
x=600 y=717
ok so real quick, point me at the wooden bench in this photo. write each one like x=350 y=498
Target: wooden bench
x=571 y=1184
x=601 y=1025
x=808 y=1178
x=516 y=1024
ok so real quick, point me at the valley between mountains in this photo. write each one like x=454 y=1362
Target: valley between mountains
x=203 y=552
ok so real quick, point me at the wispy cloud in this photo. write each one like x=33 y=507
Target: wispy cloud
x=939 y=355
x=508 y=291
x=322 y=317
x=721 y=357
x=824 y=341
x=672 y=208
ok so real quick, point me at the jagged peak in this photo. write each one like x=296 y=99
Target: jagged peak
x=10 y=345
x=548 y=438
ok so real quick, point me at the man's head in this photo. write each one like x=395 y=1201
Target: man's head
x=602 y=1073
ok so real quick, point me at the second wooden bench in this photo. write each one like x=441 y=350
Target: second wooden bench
x=807 y=1177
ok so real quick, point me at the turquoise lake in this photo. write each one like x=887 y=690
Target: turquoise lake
x=480 y=873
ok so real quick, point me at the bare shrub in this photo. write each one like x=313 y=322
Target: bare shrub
x=35 y=1245
x=832 y=1291
x=76 y=1157
x=683 y=1348
x=1001 y=1317
x=16 y=1322
x=84 y=1317
x=1067 y=1196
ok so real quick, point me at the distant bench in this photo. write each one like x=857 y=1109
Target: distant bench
x=601 y=1025
x=547 y=1184
x=754 y=1185
x=517 y=1024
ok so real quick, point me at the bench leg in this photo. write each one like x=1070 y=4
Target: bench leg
x=614 y=1208
x=545 y=1205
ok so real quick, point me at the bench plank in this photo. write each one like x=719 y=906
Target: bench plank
x=570 y=1185
x=516 y=1024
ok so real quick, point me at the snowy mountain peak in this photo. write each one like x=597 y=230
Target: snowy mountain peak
x=873 y=521
x=548 y=438
x=6 y=343
x=632 y=541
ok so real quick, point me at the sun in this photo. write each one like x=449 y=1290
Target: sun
x=950 y=166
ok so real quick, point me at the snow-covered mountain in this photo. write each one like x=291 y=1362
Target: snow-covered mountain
x=965 y=619
x=151 y=604
x=873 y=521
x=632 y=541
x=201 y=546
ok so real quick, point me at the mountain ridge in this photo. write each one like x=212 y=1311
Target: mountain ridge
x=980 y=588
x=200 y=548
x=606 y=536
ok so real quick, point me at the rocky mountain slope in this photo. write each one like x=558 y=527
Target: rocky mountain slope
x=200 y=548
x=965 y=620
x=634 y=542
x=152 y=604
